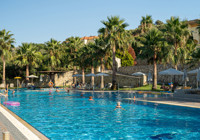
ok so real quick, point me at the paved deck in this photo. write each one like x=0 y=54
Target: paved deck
x=178 y=99
x=6 y=125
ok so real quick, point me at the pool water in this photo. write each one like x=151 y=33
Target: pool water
x=69 y=116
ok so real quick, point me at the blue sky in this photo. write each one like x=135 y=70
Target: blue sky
x=39 y=20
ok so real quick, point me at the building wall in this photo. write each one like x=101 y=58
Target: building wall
x=195 y=33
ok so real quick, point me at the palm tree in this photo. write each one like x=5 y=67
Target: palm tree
x=53 y=53
x=73 y=44
x=81 y=60
x=114 y=30
x=151 y=50
x=195 y=58
x=27 y=55
x=92 y=58
x=146 y=23
x=102 y=51
x=6 y=43
x=177 y=35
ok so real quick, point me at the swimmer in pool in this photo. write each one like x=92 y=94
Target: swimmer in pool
x=49 y=92
x=57 y=90
x=90 y=98
x=81 y=94
x=13 y=92
x=119 y=106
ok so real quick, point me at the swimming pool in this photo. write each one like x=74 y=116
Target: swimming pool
x=70 y=116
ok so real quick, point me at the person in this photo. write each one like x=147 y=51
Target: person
x=6 y=91
x=119 y=106
x=50 y=92
x=90 y=98
x=13 y=92
x=82 y=94
x=57 y=90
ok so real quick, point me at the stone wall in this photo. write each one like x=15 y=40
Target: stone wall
x=161 y=79
x=65 y=78
x=123 y=80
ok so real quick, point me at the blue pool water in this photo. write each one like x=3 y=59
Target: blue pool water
x=69 y=116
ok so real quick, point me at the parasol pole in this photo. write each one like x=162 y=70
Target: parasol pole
x=17 y=84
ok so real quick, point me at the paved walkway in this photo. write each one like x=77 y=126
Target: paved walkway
x=6 y=125
x=186 y=100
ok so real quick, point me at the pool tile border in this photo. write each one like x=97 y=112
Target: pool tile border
x=25 y=128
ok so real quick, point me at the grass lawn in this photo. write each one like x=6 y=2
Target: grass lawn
x=146 y=87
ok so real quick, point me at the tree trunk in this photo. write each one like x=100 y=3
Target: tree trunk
x=27 y=72
x=114 y=68
x=102 y=77
x=154 y=72
x=4 y=71
x=92 y=78
x=83 y=75
x=74 y=72
x=175 y=55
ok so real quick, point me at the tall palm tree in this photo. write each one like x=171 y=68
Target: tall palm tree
x=114 y=30
x=92 y=58
x=82 y=60
x=151 y=50
x=146 y=23
x=53 y=53
x=6 y=43
x=73 y=44
x=27 y=55
x=177 y=35
x=102 y=51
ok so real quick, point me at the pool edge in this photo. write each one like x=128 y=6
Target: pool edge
x=24 y=123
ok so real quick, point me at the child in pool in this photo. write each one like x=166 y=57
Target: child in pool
x=90 y=98
x=119 y=106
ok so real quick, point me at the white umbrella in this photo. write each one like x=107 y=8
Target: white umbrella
x=76 y=75
x=32 y=76
x=91 y=74
x=102 y=74
x=196 y=71
x=171 y=72
x=138 y=74
x=193 y=71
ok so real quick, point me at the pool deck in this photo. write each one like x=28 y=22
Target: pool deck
x=18 y=128
x=6 y=125
x=169 y=101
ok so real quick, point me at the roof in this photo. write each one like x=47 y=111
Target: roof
x=51 y=71
x=89 y=38
x=194 y=22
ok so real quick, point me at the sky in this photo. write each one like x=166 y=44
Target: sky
x=39 y=20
